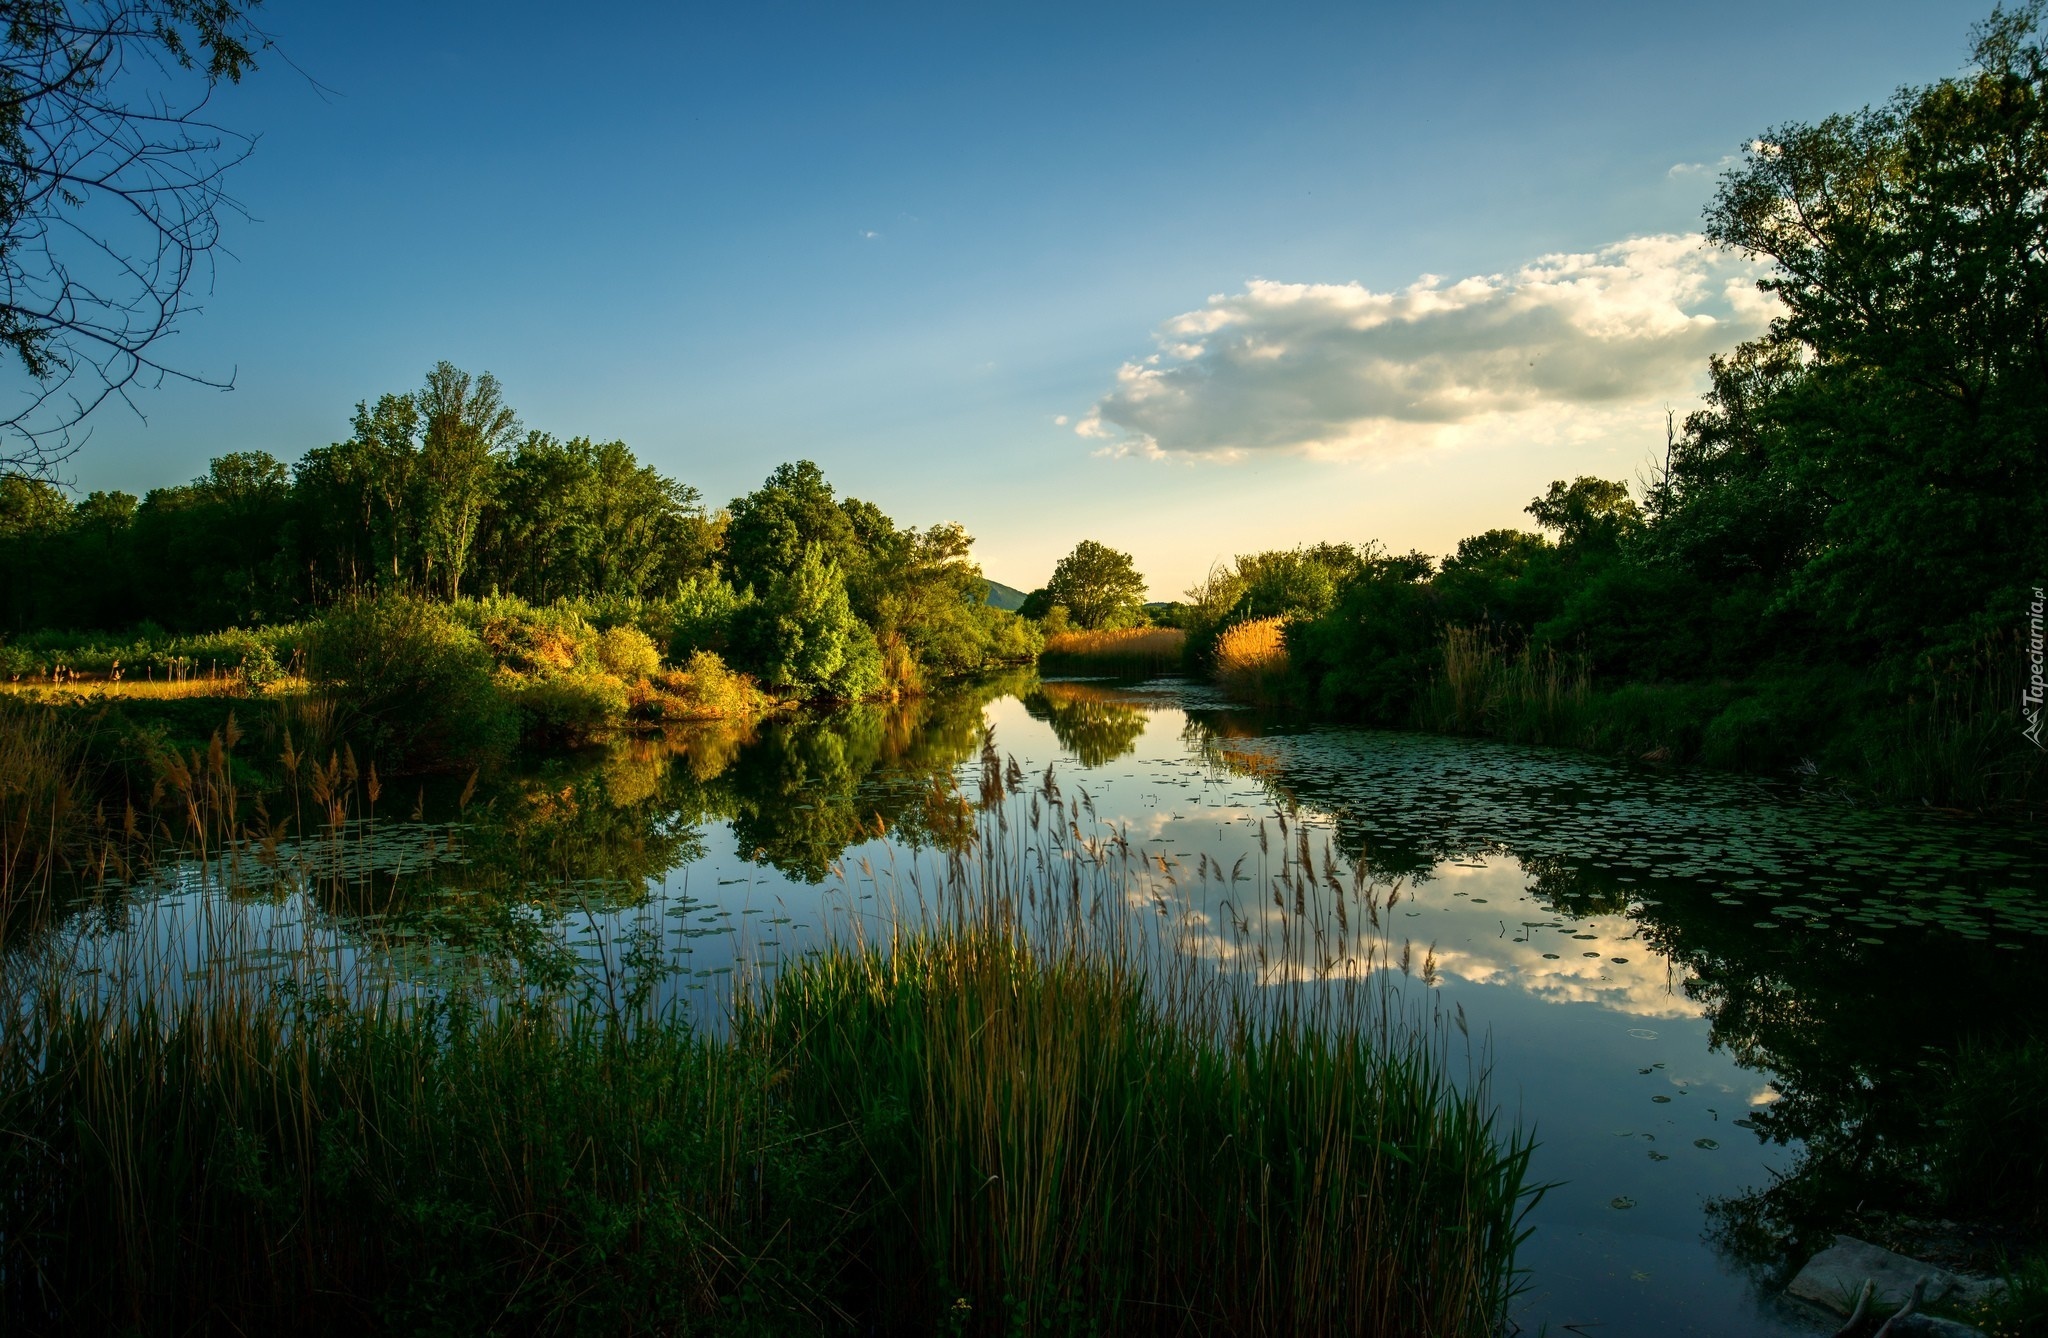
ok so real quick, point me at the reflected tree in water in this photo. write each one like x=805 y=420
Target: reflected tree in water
x=1090 y=722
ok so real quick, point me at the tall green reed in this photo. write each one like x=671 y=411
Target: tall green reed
x=1536 y=696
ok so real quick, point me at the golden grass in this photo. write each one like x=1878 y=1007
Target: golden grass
x=1251 y=658
x=1130 y=651
x=1150 y=642
x=76 y=689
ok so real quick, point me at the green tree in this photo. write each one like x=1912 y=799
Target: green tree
x=802 y=634
x=31 y=506
x=1589 y=515
x=467 y=427
x=794 y=509
x=1909 y=246
x=1099 y=586
x=383 y=460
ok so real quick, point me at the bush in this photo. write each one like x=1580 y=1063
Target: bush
x=704 y=689
x=703 y=617
x=573 y=708
x=416 y=682
x=628 y=653
x=531 y=641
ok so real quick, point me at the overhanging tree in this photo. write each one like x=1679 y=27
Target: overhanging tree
x=1906 y=384
x=112 y=192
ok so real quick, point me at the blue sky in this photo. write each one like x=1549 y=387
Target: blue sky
x=924 y=245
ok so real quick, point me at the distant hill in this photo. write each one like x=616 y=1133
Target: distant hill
x=1005 y=597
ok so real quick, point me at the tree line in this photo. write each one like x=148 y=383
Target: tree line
x=440 y=492
x=437 y=490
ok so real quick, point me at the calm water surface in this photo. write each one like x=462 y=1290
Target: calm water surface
x=1685 y=981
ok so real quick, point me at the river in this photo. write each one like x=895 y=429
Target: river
x=1710 y=996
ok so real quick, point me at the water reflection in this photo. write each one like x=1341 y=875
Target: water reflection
x=1706 y=992
x=1094 y=723
x=1844 y=958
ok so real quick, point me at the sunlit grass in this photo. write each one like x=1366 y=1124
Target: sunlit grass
x=74 y=689
x=1251 y=658
x=1130 y=650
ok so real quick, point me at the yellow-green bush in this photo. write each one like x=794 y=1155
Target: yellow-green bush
x=704 y=689
x=532 y=641
x=415 y=682
x=628 y=653
x=572 y=708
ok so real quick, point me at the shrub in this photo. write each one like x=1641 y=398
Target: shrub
x=704 y=616
x=574 y=708
x=704 y=689
x=416 y=682
x=1011 y=639
x=629 y=653
x=532 y=641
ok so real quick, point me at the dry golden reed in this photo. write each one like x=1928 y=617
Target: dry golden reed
x=1251 y=658
x=1129 y=650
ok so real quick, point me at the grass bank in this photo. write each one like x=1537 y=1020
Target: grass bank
x=1015 y=1104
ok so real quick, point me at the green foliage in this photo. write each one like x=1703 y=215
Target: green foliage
x=576 y=707
x=532 y=641
x=801 y=635
x=1994 y=1123
x=703 y=689
x=1898 y=405
x=1298 y=583
x=1099 y=586
x=1590 y=516
x=433 y=491
x=578 y=518
x=628 y=653
x=152 y=653
x=703 y=615
x=1371 y=654
x=417 y=682
x=773 y=527
x=1833 y=566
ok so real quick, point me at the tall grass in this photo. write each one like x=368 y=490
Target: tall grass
x=1251 y=659
x=1126 y=652
x=1533 y=697
x=42 y=821
x=1027 y=1097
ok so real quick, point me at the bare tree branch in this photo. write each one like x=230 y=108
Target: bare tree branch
x=112 y=197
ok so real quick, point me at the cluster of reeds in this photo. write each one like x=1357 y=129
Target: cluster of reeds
x=1534 y=696
x=1251 y=659
x=1960 y=738
x=1123 y=652
x=42 y=822
x=1055 y=1085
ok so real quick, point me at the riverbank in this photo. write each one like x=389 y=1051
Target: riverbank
x=1960 y=748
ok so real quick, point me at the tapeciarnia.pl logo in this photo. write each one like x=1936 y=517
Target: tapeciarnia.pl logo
x=2030 y=700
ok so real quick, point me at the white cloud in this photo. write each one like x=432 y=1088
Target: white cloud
x=1567 y=347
